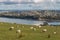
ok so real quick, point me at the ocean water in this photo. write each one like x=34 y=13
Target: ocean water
x=27 y=22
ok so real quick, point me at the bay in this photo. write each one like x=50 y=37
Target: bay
x=27 y=22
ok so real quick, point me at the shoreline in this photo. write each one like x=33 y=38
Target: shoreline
x=32 y=19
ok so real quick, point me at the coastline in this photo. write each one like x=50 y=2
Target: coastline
x=48 y=20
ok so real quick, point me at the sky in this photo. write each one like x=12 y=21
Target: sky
x=43 y=4
x=30 y=0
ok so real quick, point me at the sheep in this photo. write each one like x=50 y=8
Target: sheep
x=23 y=26
x=44 y=30
x=19 y=34
x=54 y=32
x=18 y=31
x=11 y=28
x=31 y=27
x=39 y=26
x=34 y=29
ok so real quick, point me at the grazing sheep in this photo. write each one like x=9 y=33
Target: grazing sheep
x=44 y=30
x=18 y=31
x=54 y=32
x=23 y=26
x=34 y=29
x=31 y=27
x=39 y=26
x=11 y=28
x=19 y=34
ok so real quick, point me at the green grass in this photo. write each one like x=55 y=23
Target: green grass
x=28 y=34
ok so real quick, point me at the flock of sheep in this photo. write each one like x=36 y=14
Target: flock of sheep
x=19 y=32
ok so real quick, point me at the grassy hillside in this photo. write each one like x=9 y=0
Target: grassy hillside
x=27 y=33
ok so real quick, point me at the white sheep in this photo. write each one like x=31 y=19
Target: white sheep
x=44 y=30
x=23 y=26
x=11 y=28
x=39 y=26
x=34 y=29
x=31 y=27
x=54 y=32
x=18 y=31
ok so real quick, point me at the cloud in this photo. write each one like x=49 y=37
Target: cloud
x=43 y=4
x=10 y=0
x=2 y=0
x=36 y=1
x=16 y=0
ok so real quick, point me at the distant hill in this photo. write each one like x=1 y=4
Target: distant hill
x=47 y=15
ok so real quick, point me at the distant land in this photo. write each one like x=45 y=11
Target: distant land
x=48 y=15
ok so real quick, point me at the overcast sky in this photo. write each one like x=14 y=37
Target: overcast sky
x=44 y=4
x=30 y=0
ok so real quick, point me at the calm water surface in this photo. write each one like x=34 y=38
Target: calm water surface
x=28 y=22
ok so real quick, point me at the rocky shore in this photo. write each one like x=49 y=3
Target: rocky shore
x=48 y=15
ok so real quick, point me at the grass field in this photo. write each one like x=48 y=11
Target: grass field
x=28 y=34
